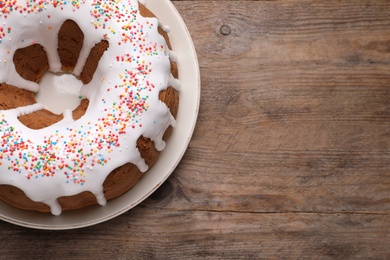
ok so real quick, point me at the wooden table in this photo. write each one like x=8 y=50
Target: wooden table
x=291 y=153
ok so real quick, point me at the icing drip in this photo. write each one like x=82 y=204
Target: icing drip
x=100 y=198
x=73 y=156
x=55 y=207
x=166 y=28
x=175 y=83
x=27 y=109
x=173 y=56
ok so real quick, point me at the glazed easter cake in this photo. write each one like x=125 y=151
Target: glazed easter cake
x=128 y=100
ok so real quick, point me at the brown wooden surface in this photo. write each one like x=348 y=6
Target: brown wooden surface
x=291 y=153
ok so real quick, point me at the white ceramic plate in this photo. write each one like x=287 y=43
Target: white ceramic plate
x=170 y=157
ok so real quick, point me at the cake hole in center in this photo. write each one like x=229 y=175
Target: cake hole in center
x=59 y=92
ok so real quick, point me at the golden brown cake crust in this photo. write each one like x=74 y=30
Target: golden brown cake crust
x=31 y=63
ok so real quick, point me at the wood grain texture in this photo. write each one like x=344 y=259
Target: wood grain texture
x=290 y=157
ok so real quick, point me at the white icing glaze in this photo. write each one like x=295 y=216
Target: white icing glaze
x=59 y=92
x=73 y=156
